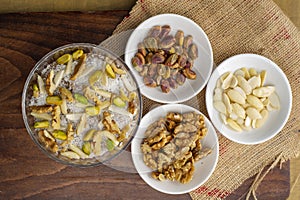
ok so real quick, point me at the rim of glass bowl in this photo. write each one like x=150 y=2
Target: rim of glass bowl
x=26 y=87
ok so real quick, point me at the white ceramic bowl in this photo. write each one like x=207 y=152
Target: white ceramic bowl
x=203 y=168
x=275 y=77
x=202 y=66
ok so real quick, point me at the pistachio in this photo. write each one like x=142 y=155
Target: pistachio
x=119 y=102
x=95 y=77
x=78 y=151
x=173 y=84
x=56 y=100
x=77 y=54
x=182 y=59
x=35 y=89
x=59 y=134
x=144 y=72
x=158 y=58
x=89 y=135
x=171 y=60
x=167 y=73
x=110 y=145
x=41 y=124
x=148 y=81
x=79 y=68
x=188 y=40
x=67 y=94
x=180 y=79
x=81 y=99
x=165 y=30
x=109 y=71
x=152 y=70
x=63 y=59
x=92 y=110
x=158 y=79
x=137 y=64
x=193 y=51
x=179 y=36
x=188 y=73
x=116 y=69
x=148 y=58
x=142 y=49
x=86 y=148
x=151 y=44
x=70 y=154
x=154 y=31
x=167 y=42
x=165 y=86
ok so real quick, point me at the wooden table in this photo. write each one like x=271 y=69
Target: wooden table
x=25 y=172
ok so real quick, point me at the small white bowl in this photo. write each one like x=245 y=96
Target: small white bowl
x=203 y=168
x=203 y=65
x=275 y=76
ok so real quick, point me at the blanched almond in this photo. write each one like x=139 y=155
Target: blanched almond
x=234 y=125
x=252 y=72
x=244 y=85
x=226 y=101
x=241 y=91
x=259 y=122
x=246 y=72
x=274 y=101
x=226 y=81
x=220 y=106
x=247 y=121
x=217 y=94
x=264 y=91
x=223 y=118
x=253 y=113
x=233 y=82
x=254 y=81
x=263 y=75
x=255 y=102
x=239 y=110
x=235 y=96
x=239 y=72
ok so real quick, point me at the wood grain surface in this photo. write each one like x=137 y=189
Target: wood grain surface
x=25 y=172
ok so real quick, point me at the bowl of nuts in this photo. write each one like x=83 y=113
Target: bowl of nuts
x=81 y=105
x=175 y=149
x=248 y=99
x=171 y=58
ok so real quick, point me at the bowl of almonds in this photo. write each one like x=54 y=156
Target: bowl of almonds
x=81 y=105
x=171 y=58
x=248 y=99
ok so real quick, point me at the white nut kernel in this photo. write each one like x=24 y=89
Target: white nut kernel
x=274 y=101
x=235 y=96
x=241 y=91
x=259 y=122
x=255 y=102
x=239 y=110
x=263 y=91
x=226 y=101
x=263 y=75
x=244 y=85
x=227 y=81
x=234 y=125
x=254 y=82
x=253 y=113
x=220 y=106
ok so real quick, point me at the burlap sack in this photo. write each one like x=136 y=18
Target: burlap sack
x=234 y=27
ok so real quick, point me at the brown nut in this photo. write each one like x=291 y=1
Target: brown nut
x=178 y=50
x=148 y=81
x=176 y=117
x=167 y=42
x=179 y=36
x=175 y=66
x=151 y=44
x=152 y=70
x=141 y=58
x=173 y=84
x=137 y=64
x=148 y=58
x=165 y=30
x=188 y=40
x=171 y=60
x=154 y=31
x=182 y=59
x=158 y=58
x=180 y=78
x=144 y=72
x=142 y=49
x=165 y=86
x=193 y=51
x=188 y=73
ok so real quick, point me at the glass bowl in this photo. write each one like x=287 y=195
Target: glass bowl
x=96 y=60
